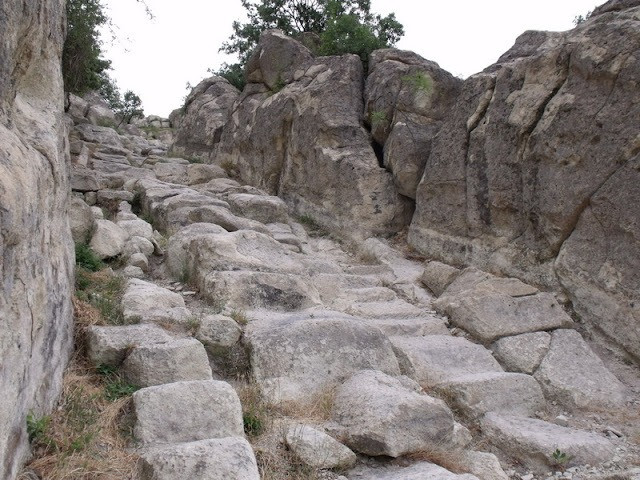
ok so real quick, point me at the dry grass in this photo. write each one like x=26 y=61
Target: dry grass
x=318 y=410
x=86 y=437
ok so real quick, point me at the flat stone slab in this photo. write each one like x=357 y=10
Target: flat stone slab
x=317 y=449
x=186 y=412
x=522 y=353
x=532 y=442
x=110 y=345
x=394 y=309
x=306 y=355
x=213 y=459
x=419 y=326
x=385 y=415
x=479 y=393
x=418 y=471
x=147 y=302
x=178 y=360
x=434 y=359
x=575 y=376
x=490 y=307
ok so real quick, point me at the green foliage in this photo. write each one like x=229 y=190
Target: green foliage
x=253 y=425
x=419 y=81
x=559 y=457
x=233 y=72
x=578 y=19
x=87 y=258
x=37 y=428
x=131 y=106
x=83 y=69
x=103 y=291
x=378 y=117
x=114 y=385
x=343 y=26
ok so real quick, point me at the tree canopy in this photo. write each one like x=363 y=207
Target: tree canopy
x=342 y=26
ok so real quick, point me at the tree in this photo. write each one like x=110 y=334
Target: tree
x=130 y=106
x=343 y=26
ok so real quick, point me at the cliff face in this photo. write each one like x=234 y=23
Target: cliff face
x=36 y=251
x=536 y=173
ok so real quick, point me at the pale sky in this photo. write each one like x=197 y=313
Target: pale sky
x=156 y=58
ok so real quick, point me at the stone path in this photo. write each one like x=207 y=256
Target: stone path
x=223 y=281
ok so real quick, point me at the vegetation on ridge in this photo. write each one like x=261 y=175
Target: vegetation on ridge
x=327 y=27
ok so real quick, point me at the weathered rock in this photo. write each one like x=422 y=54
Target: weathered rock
x=434 y=359
x=36 y=247
x=104 y=136
x=532 y=442
x=295 y=132
x=137 y=228
x=108 y=239
x=218 y=331
x=178 y=360
x=485 y=466
x=110 y=345
x=574 y=376
x=522 y=353
x=171 y=172
x=263 y=208
x=417 y=471
x=147 y=302
x=407 y=99
x=304 y=356
x=77 y=108
x=479 y=393
x=317 y=449
x=491 y=307
x=535 y=172
x=139 y=260
x=205 y=112
x=383 y=416
x=213 y=459
x=186 y=412
x=80 y=219
x=438 y=276
x=198 y=173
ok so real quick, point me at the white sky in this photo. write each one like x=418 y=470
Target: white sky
x=156 y=58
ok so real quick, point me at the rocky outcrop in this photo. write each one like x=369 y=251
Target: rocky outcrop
x=203 y=116
x=297 y=132
x=536 y=172
x=407 y=99
x=35 y=239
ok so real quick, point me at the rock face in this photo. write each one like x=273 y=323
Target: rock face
x=35 y=239
x=203 y=116
x=535 y=174
x=406 y=101
x=296 y=132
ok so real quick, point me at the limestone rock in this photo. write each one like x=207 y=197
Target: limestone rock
x=522 y=353
x=573 y=375
x=302 y=357
x=186 y=412
x=36 y=246
x=407 y=99
x=485 y=466
x=108 y=239
x=434 y=359
x=207 y=109
x=139 y=260
x=174 y=361
x=137 y=228
x=179 y=245
x=263 y=208
x=110 y=345
x=198 y=173
x=535 y=172
x=213 y=459
x=532 y=442
x=101 y=135
x=295 y=132
x=479 y=393
x=80 y=219
x=218 y=331
x=381 y=416
x=317 y=449
x=417 y=471
x=150 y=303
x=437 y=276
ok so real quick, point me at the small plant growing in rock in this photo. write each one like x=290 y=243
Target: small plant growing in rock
x=377 y=117
x=240 y=316
x=419 y=81
x=37 y=428
x=114 y=385
x=229 y=167
x=560 y=458
x=87 y=258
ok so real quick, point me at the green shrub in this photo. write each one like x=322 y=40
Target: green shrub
x=87 y=258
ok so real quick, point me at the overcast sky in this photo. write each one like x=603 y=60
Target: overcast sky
x=156 y=58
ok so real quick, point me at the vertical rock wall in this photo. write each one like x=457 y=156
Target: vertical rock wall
x=36 y=251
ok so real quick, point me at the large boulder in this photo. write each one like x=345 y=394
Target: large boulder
x=36 y=248
x=203 y=115
x=407 y=99
x=296 y=132
x=303 y=356
x=535 y=172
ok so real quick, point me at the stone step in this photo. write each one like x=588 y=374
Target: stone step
x=434 y=359
x=147 y=302
x=212 y=459
x=473 y=395
x=395 y=309
x=179 y=360
x=415 y=327
x=185 y=412
x=533 y=442
x=417 y=471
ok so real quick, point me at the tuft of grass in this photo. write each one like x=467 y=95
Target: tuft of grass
x=313 y=228
x=37 y=429
x=377 y=117
x=102 y=290
x=419 y=81
x=87 y=258
x=240 y=316
x=230 y=168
